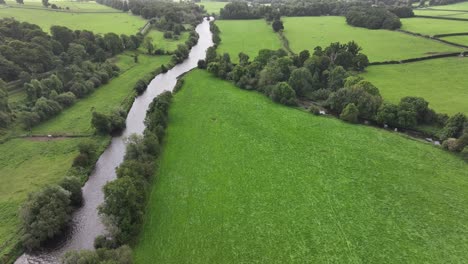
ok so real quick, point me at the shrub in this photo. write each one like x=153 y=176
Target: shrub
x=101 y=123
x=140 y=86
x=454 y=126
x=121 y=255
x=388 y=114
x=350 y=113
x=450 y=144
x=168 y=35
x=277 y=25
x=73 y=185
x=201 y=64
x=313 y=109
x=66 y=99
x=464 y=153
x=283 y=93
x=44 y=215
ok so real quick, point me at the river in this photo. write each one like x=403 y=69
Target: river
x=86 y=224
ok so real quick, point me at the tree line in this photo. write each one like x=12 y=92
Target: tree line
x=55 y=70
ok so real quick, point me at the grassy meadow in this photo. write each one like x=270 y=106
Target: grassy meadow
x=244 y=180
x=456 y=6
x=27 y=167
x=104 y=22
x=442 y=82
x=160 y=42
x=441 y=13
x=77 y=119
x=463 y=40
x=429 y=26
x=248 y=36
x=212 y=6
x=379 y=45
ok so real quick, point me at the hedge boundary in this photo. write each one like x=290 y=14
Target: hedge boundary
x=437 y=56
x=443 y=18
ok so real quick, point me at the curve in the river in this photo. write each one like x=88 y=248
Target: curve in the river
x=86 y=224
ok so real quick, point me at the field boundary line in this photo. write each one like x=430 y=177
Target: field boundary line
x=64 y=11
x=442 y=18
x=432 y=38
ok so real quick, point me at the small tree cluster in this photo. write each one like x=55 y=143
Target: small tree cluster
x=372 y=18
x=109 y=123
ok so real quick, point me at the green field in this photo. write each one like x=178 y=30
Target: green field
x=463 y=40
x=379 y=45
x=248 y=36
x=441 y=13
x=119 y=23
x=442 y=82
x=160 y=42
x=244 y=180
x=212 y=6
x=429 y=26
x=25 y=166
x=77 y=119
x=457 y=6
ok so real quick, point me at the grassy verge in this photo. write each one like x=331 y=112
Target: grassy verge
x=160 y=42
x=379 y=45
x=77 y=119
x=244 y=180
x=442 y=82
x=248 y=36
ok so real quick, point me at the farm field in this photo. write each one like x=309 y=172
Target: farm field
x=463 y=40
x=456 y=6
x=440 y=13
x=212 y=6
x=160 y=42
x=244 y=180
x=119 y=23
x=73 y=6
x=248 y=36
x=429 y=26
x=77 y=119
x=442 y=82
x=28 y=166
x=378 y=45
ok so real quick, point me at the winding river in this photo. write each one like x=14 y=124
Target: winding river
x=86 y=223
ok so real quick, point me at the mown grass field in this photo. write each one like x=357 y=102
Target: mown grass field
x=305 y=33
x=429 y=26
x=442 y=82
x=456 y=6
x=212 y=6
x=463 y=40
x=244 y=180
x=77 y=119
x=26 y=166
x=160 y=42
x=119 y=23
x=248 y=36
x=441 y=13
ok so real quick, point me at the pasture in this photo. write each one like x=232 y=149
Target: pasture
x=248 y=36
x=456 y=6
x=160 y=42
x=77 y=119
x=430 y=27
x=102 y=22
x=442 y=82
x=212 y=6
x=441 y=13
x=28 y=166
x=463 y=40
x=245 y=180
x=305 y=33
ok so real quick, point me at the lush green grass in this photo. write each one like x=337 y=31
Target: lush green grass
x=248 y=36
x=429 y=26
x=457 y=6
x=441 y=13
x=25 y=166
x=442 y=82
x=160 y=42
x=212 y=6
x=463 y=40
x=244 y=180
x=77 y=119
x=73 y=6
x=379 y=45
x=119 y=23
